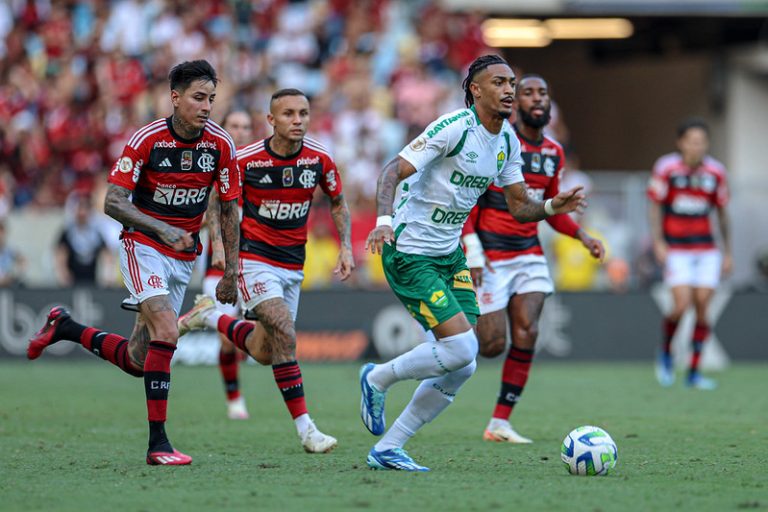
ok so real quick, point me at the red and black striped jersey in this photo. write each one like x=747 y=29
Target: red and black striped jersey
x=277 y=194
x=171 y=178
x=687 y=197
x=501 y=235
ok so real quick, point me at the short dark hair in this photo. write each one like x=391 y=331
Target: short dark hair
x=690 y=124
x=182 y=75
x=287 y=92
x=477 y=66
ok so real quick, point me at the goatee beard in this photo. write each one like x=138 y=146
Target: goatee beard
x=535 y=122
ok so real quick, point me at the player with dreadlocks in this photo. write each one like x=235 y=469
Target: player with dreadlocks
x=443 y=172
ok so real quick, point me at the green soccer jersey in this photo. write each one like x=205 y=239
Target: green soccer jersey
x=456 y=159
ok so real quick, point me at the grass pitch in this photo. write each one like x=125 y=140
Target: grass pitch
x=73 y=437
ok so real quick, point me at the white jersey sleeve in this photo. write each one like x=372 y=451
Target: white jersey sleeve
x=436 y=141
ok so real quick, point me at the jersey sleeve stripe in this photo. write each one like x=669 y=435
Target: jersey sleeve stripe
x=217 y=131
x=141 y=131
x=141 y=139
x=250 y=150
x=316 y=146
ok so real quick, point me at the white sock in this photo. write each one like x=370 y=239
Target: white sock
x=497 y=423
x=212 y=319
x=430 y=359
x=429 y=400
x=303 y=423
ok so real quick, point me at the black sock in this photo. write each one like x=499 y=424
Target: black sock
x=158 y=441
x=70 y=330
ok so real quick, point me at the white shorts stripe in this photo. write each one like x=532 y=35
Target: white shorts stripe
x=133 y=267
x=241 y=282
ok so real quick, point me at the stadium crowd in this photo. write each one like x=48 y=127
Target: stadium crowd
x=78 y=77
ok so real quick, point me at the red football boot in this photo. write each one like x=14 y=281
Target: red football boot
x=47 y=334
x=174 y=458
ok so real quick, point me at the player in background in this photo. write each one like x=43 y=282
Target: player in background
x=239 y=125
x=516 y=281
x=684 y=188
x=447 y=168
x=159 y=191
x=280 y=175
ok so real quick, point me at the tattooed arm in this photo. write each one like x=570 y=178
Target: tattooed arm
x=526 y=209
x=393 y=173
x=229 y=218
x=340 y=213
x=213 y=224
x=118 y=206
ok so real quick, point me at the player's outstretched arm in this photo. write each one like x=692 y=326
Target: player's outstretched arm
x=393 y=173
x=340 y=213
x=213 y=225
x=526 y=209
x=229 y=218
x=117 y=205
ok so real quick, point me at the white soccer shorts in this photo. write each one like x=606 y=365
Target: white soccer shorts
x=524 y=274
x=696 y=268
x=149 y=273
x=260 y=281
x=209 y=288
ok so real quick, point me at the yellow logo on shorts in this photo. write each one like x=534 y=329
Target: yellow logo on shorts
x=463 y=280
x=438 y=298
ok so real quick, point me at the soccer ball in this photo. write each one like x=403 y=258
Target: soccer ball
x=589 y=451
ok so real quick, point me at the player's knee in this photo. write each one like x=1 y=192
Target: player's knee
x=525 y=336
x=492 y=346
x=167 y=332
x=460 y=350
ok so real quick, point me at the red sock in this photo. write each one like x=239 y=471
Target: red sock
x=514 y=375
x=700 y=335
x=288 y=379
x=228 y=366
x=670 y=326
x=157 y=379
x=235 y=330
x=110 y=347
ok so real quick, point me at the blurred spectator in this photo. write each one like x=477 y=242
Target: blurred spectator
x=80 y=245
x=11 y=261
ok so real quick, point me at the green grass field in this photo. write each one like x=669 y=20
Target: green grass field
x=73 y=437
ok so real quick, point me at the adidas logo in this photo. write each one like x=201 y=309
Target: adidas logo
x=165 y=163
x=266 y=179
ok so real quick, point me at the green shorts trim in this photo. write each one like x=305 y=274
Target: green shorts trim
x=432 y=288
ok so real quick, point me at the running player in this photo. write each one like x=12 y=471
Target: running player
x=447 y=168
x=239 y=125
x=516 y=282
x=684 y=188
x=159 y=190
x=281 y=173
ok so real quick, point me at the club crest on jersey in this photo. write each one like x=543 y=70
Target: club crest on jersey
x=206 y=162
x=307 y=178
x=288 y=176
x=499 y=160
x=186 y=160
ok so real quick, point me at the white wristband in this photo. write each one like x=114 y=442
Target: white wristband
x=384 y=220
x=473 y=250
x=548 y=207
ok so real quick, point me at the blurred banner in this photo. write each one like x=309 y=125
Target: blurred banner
x=347 y=325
